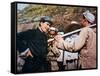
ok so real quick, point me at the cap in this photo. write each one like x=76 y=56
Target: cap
x=60 y=33
x=89 y=16
x=46 y=19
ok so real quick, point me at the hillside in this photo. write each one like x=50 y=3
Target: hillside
x=61 y=15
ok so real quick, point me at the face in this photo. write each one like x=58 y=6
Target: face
x=52 y=32
x=45 y=26
x=83 y=21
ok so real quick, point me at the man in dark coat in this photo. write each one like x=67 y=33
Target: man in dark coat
x=36 y=41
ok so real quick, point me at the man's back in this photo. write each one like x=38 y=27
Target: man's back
x=88 y=52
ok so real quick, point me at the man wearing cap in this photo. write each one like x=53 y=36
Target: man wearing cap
x=36 y=41
x=86 y=43
x=53 y=53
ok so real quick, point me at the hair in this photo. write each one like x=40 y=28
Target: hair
x=73 y=27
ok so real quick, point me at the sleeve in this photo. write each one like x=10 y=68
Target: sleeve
x=24 y=35
x=79 y=43
x=21 y=40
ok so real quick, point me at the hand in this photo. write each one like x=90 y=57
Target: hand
x=59 y=41
x=29 y=54
x=58 y=38
x=49 y=40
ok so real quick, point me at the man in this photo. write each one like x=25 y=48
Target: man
x=53 y=53
x=86 y=43
x=71 y=58
x=36 y=41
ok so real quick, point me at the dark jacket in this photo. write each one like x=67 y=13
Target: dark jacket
x=35 y=40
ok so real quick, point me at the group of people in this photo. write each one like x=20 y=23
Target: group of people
x=41 y=54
